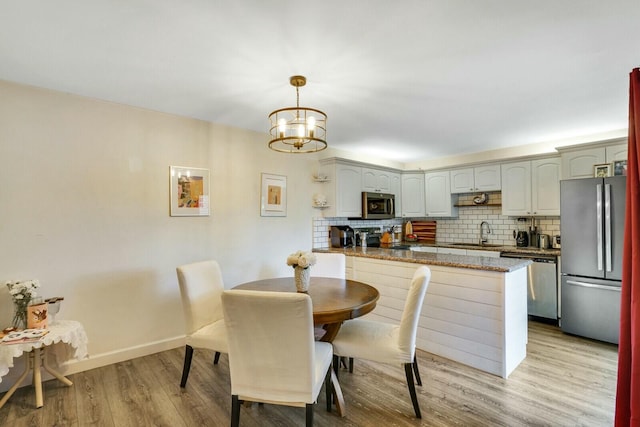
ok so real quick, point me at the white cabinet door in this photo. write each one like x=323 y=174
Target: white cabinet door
x=545 y=187
x=579 y=164
x=438 y=199
x=516 y=188
x=396 y=188
x=413 y=195
x=531 y=188
x=375 y=180
x=616 y=152
x=462 y=180
x=481 y=178
x=348 y=190
x=487 y=178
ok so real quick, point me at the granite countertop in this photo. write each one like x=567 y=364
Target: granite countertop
x=446 y=260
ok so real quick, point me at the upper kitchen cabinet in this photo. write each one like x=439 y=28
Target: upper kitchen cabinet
x=578 y=162
x=481 y=178
x=413 y=195
x=616 y=152
x=438 y=198
x=376 y=181
x=383 y=181
x=344 y=190
x=531 y=188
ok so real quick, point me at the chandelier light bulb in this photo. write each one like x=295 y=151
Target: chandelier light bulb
x=311 y=125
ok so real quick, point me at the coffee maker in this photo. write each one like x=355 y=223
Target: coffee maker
x=342 y=236
x=522 y=236
x=522 y=239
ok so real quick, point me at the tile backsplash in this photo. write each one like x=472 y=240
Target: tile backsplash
x=465 y=228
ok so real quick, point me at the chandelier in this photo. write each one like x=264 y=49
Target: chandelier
x=298 y=129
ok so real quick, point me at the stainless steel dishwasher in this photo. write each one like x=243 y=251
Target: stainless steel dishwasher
x=542 y=285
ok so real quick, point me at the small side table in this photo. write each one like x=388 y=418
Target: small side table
x=67 y=331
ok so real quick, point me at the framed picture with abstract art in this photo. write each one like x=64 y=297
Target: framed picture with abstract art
x=602 y=170
x=273 y=200
x=189 y=191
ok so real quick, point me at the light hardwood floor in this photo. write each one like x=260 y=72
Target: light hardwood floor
x=564 y=381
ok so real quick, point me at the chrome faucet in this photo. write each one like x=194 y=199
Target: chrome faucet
x=483 y=239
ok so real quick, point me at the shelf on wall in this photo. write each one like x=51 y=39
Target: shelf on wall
x=321 y=206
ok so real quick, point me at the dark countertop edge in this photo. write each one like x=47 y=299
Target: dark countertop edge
x=502 y=265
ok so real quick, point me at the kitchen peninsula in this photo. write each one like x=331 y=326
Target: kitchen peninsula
x=475 y=309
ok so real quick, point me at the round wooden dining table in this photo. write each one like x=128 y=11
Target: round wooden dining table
x=333 y=300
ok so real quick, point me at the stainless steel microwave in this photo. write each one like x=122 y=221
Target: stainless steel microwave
x=378 y=205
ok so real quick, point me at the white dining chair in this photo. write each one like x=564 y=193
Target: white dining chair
x=329 y=265
x=201 y=287
x=385 y=342
x=265 y=329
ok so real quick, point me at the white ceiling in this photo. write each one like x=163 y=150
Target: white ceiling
x=403 y=80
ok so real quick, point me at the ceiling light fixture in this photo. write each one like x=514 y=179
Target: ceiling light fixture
x=298 y=129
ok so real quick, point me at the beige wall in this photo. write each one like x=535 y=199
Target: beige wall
x=84 y=199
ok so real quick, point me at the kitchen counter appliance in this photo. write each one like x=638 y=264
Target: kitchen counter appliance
x=342 y=236
x=592 y=224
x=542 y=285
x=378 y=205
x=368 y=236
x=522 y=239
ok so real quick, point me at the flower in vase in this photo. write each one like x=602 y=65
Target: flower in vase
x=301 y=259
x=22 y=291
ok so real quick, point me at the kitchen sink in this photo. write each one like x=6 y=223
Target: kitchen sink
x=405 y=247
x=478 y=245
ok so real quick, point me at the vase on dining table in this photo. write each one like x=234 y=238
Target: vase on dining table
x=302 y=277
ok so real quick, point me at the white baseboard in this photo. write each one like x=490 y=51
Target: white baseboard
x=93 y=361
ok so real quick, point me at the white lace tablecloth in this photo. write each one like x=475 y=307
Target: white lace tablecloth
x=70 y=332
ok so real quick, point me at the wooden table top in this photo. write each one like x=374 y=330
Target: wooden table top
x=334 y=300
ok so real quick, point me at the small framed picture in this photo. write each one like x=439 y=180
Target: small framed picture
x=274 y=195
x=189 y=192
x=602 y=170
x=620 y=168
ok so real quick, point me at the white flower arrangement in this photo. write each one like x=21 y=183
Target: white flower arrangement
x=301 y=259
x=22 y=290
x=22 y=293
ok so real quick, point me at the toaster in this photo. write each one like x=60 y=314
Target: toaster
x=555 y=241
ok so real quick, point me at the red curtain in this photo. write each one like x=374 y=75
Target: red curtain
x=628 y=392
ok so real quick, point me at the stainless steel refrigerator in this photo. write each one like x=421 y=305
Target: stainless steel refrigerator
x=592 y=215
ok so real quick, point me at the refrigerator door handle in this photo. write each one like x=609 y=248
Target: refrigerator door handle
x=599 y=224
x=607 y=227
x=593 y=285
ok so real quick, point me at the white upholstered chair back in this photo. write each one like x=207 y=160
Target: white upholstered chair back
x=411 y=313
x=273 y=357
x=201 y=287
x=385 y=342
x=329 y=265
